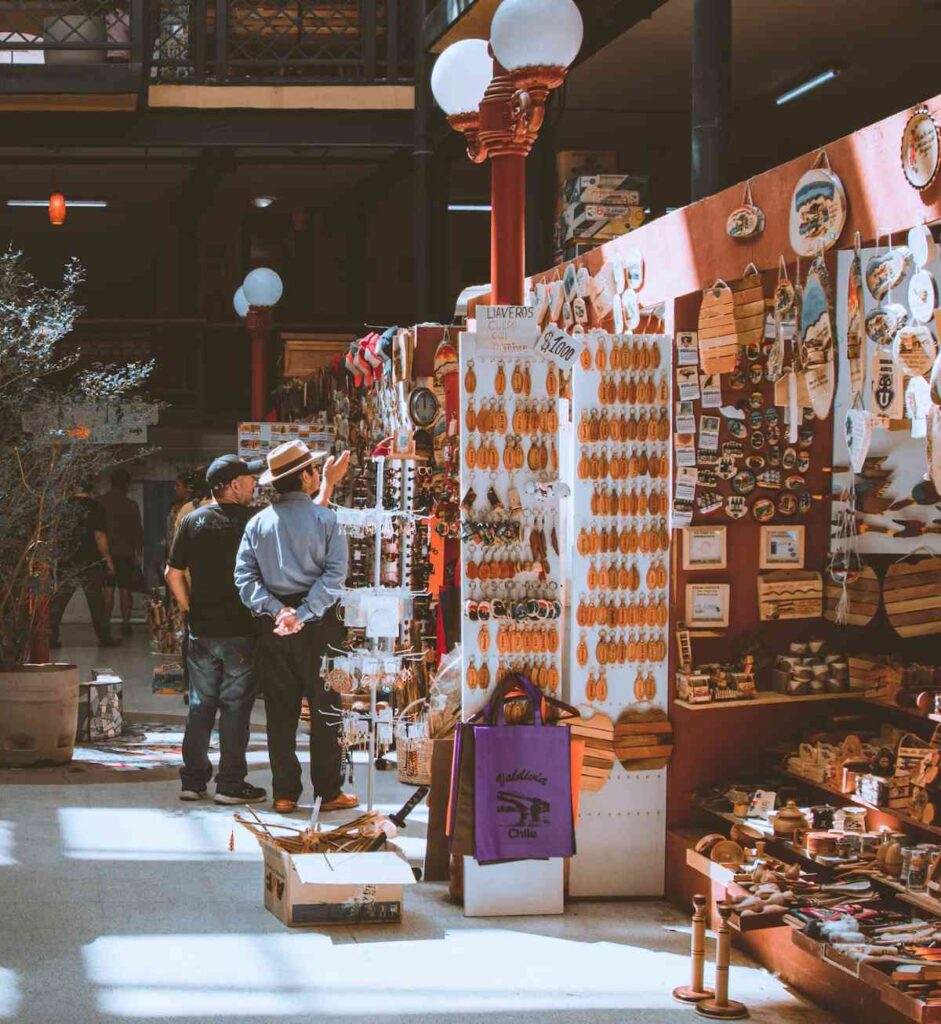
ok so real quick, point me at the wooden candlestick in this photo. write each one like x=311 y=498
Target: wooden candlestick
x=720 y=1007
x=696 y=991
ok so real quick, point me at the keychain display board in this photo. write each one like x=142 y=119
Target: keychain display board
x=511 y=579
x=620 y=595
x=896 y=461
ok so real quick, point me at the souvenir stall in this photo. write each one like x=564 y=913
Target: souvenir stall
x=788 y=524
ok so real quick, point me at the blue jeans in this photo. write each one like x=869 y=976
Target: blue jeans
x=220 y=680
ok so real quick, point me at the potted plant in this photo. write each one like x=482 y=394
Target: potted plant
x=45 y=454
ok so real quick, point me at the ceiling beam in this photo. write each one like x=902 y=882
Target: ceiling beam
x=606 y=20
x=208 y=129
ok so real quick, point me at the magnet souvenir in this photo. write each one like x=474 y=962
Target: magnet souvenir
x=763 y=510
x=805 y=437
x=772 y=416
x=735 y=506
x=755 y=419
x=787 y=504
x=804 y=503
x=743 y=482
x=803 y=461
x=773 y=455
x=756 y=400
x=737 y=381
x=789 y=459
x=795 y=483
x=756 y=373
x=707 y=478
x=708 y=501
x=774 y=434
x=757 y=440
x=737 y=428
x=726 y=469
x=770 y=480
x=732 y=449
x=755 y=463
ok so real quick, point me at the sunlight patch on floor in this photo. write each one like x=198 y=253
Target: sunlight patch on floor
x=9 y=994
x=465 y=971
x=7 y=859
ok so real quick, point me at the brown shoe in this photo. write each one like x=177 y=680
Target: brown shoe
x=341 y=802
x=282 y=806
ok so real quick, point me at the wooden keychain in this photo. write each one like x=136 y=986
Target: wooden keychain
x=470 y=378
x=499 y=381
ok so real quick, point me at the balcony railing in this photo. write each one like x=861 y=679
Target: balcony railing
x=53 y=45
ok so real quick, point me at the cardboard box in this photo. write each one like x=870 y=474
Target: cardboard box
x=515 y=888
x=627 y=189
x=311 y=889
x=574 y=163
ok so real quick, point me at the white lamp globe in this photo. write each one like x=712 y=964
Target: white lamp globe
x=262 y=287
x=536 y=33
x=240 y=303
x=461 y=75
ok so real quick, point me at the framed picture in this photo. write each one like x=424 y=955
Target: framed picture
x=704 y=547
x=782 y=547
x=707 y=605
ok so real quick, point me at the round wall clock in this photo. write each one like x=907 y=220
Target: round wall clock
x=818 y=212
x=921 y=149
x=423 y=407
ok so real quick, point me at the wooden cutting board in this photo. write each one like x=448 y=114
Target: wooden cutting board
x=643 y=740
x=912 y=595
x=598 y=734
x=865 y=595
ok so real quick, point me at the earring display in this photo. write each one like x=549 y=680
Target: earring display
x=512 y=604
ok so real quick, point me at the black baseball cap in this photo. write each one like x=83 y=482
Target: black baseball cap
x=227 y=468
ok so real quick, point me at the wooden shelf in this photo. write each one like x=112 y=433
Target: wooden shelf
x=853 y=799
x=770 y=698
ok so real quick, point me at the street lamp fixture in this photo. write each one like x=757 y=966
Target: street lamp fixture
x=260 y=292
x=495 y=95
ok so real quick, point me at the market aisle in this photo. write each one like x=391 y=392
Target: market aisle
x=121 y=904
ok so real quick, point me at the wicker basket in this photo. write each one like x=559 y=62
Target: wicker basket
x=414 y=744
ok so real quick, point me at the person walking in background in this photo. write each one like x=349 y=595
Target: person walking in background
x=221 y=643
x=83 y=561
x=199 y=496
x=126 y=543
x=291 y=557
x=182 y=493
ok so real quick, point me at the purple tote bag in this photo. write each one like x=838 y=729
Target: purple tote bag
x=522 y=787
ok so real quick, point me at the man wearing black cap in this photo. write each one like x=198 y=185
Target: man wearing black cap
x=221 y=633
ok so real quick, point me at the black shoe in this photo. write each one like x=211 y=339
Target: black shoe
x=126 y=629
x=192 y=795
x=243 y=794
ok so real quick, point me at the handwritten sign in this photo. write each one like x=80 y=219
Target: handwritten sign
x=558 y=347
x=506 y=331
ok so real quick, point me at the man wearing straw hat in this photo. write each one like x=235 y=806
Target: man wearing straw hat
x=291 y=557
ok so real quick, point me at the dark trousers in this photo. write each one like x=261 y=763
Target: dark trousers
x=91 y=583
x=220 y=680
x=289 y=669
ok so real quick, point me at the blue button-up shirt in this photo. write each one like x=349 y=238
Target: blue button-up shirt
x=292 y=547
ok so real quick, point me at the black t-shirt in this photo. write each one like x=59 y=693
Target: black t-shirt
x=206 y=543
x=84 y=517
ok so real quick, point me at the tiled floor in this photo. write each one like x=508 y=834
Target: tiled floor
x=119 y=904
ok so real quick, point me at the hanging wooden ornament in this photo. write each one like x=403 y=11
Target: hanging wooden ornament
x=922 y=296
x=856 y=349
x=863 y=596
x=885 y=270
x=818 y=209
x=886 y=385
x=633 y=263
x=857 y=427
x=630 y=303
x=470 y=378
x=643 y=739
x=917 y=405
x=883 y=321
x=817 y=342
x=914 y=350
x=922 y=246
x=746 y=221
x=920 y=149
x=597 y=732
x=934 y=380
x=556 y=300
x=731 y=317
x=933 y=446
x=911 y=592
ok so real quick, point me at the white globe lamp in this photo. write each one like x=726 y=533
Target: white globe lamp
x=262 y=287
x=536 y=33
x=240 y=303
x=461 y=76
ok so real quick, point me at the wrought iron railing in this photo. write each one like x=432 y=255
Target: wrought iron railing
x=216 y=42
x=237 y=42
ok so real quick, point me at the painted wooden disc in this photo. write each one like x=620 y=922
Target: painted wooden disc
x=885 y=270
x=746 y=222
x=631 y=305
x=883 y=322
x=818 y=212
x=921 y=149
x=598 y=734
x=914 y=350
x=856 y=328
x=911 y=592
x=865 y=596
x=634 y=269
x=785 y=295
x=857 y=427
x=922 y=296
x=643 y=740
x=922 y=245
x=817 y=339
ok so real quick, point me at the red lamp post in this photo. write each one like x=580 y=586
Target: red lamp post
x=260 y=292
x=499 y=108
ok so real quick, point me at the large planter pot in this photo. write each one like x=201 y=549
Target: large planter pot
x=38 y=715
x=74 y=28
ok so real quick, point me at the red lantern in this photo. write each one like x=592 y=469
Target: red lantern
x=57 y=208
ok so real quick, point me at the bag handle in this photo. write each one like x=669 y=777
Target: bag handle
x=515 y=681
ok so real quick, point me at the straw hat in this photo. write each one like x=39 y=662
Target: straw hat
x=290 y=457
